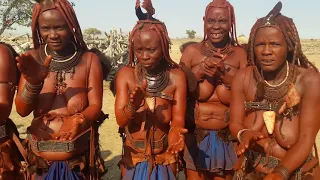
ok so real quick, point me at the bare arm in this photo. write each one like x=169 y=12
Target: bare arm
x=237 y=111
x=309 y=123
x=24 y=109
x=8 y=73
x=175 y=136
x=122 y=97
x=179 y=99
x=95 y=90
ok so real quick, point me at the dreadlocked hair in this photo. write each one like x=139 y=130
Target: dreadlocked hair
x=151 y=24
x=65 y=8
x=232 y=19
x=287 y=27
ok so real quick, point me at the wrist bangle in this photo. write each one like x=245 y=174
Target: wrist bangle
x=30 y=92
x=240 y=133
x=283 y=171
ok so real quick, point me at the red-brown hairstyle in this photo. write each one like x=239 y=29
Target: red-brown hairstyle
x=287 y=27
x=152 y=24
x=65 y=8
x=232 y=19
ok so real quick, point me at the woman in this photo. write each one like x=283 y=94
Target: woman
x=150 y=104
x=275 y=104
x=210 y=67
x=10 y=166
x=61 y=84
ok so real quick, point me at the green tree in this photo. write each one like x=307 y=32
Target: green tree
x=191 y=34
x=92 y=32
x=16 y=12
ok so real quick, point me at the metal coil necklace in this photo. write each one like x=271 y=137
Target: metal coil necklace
x=61 y=66
x=155 y=82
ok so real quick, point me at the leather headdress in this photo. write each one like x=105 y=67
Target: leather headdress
x=46 y=5
x=270 y=19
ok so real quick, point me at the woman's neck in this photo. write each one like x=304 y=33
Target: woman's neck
x=69 y=50
x=277 y=76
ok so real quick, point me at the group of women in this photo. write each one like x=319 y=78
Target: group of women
x=225 y=111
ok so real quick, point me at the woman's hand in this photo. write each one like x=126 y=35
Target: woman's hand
x=72 y=127
x=31 y=70
x=214 y=65
x=176 y=139
x=137 y=96
x=248 y=138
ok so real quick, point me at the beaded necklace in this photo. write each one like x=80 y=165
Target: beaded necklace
x=61 y=66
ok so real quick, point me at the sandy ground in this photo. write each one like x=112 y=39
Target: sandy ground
x=110 y=141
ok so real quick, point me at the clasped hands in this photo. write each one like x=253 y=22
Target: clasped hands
x=214 y=65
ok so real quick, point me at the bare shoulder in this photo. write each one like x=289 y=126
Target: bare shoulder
x=126 y=72
x=241 y=56
x=176 y=72
x=190 y=52
x=4 y=50
x=177 y=75
x=309 y=81
x=91 y=56
x=193 y=48
x=5 y=54
x=240 y=51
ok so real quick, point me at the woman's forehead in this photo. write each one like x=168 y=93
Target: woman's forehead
x=270 y=31
x=52 y=14
x=217 y=11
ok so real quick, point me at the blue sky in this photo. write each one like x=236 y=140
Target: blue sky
x=180 y=15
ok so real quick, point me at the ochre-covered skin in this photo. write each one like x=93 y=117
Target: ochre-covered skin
x=212 y=96
x=150 y=47
x=294 y=135
x=83 y=92
x=10 y=163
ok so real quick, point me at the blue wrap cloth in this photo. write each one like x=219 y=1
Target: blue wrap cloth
x=211 y=154
x=141 y=172
x=60 y=170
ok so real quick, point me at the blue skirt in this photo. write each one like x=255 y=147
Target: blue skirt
x=211 y=154
x=60 y=170
x=141 y=172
